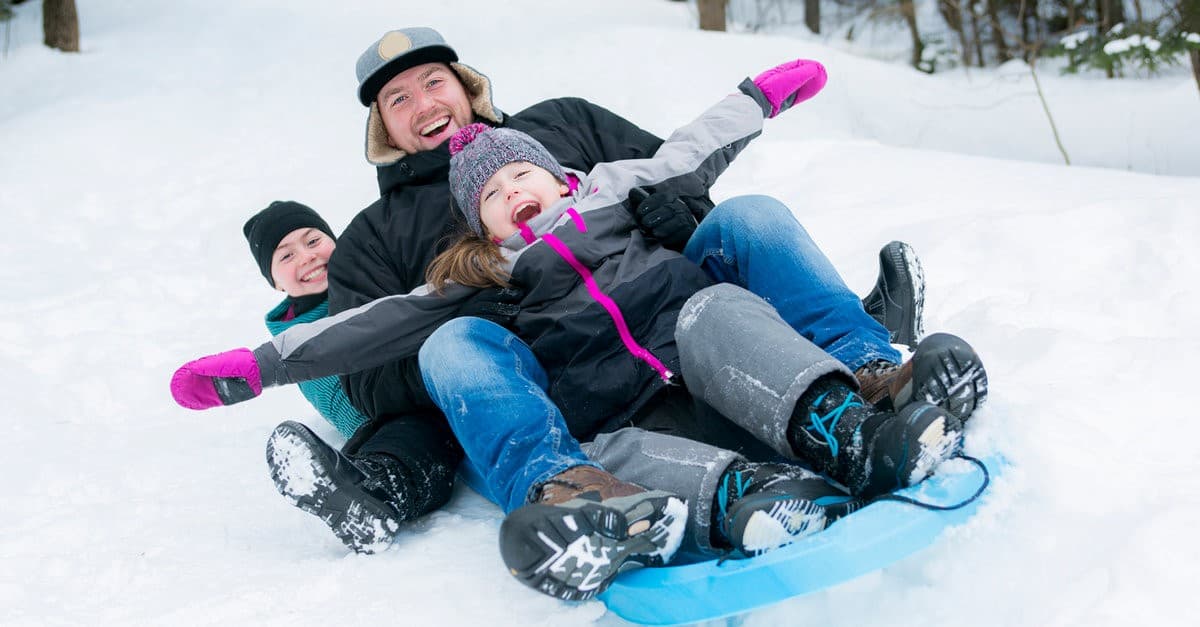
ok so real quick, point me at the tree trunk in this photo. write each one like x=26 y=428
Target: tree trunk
x=60 y=25
x=910 y=17
x=976 y=33
x=993 y=11
x=1195 y=54
x=1189 y=20
x=712 y=14
x=951 y=11
x=812 y=15
x=1026 y=43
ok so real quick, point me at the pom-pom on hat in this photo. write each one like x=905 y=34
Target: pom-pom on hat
x=477 y=151
x=265 y=229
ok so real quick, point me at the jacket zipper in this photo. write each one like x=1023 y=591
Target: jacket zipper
x=598 y=295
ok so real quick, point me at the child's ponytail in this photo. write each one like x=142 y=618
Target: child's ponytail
x=472 y=261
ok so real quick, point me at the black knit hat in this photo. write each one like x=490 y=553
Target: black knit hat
x=268 y=227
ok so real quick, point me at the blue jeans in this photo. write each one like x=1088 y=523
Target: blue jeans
x=755 y=242
x=493 y=392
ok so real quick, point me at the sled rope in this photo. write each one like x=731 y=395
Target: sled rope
x=987 y=479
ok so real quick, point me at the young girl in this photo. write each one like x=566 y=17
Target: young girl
x=291 y=244
x=615 y=319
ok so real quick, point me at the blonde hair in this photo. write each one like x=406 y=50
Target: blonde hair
x=473 y=261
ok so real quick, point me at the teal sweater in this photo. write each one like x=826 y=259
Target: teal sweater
x=325 y=394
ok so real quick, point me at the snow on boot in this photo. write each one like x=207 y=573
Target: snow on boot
x=898 y=299
x=584 y=528
x=760 y=507
x=870 y=450
x=361 y=500
x=944 y=370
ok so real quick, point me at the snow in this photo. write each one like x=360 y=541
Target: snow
x=127 y=172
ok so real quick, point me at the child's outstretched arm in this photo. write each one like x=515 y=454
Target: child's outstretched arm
x=698 y=152
x=785 y=85
x=380 y=331
x=221 y=379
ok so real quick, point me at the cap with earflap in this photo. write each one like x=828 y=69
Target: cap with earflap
x=397 y=51
x=268 y=227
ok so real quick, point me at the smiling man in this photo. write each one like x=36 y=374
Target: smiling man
x=422 y=107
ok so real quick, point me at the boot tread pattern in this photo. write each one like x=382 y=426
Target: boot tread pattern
x=303 y=477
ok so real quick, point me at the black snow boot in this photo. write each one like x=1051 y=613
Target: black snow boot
x=871 y=451
x=586 y=526
x=944 y=370
x=763 y=506
x=363 y=500
x=898 y=300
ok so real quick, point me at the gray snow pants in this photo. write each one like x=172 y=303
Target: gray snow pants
x=740 y=357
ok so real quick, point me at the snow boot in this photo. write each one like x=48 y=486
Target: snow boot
x=871 y=451
x=361 y=500
x=944 y=370
x=764 y=506
x=584 y=528
x=898 y=299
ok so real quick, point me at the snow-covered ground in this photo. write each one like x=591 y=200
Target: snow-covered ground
x=126 y=173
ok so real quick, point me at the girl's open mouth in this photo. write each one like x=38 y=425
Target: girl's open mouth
x=526 y=212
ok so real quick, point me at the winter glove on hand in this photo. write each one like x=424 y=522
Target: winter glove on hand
x=497 y=304
x=663 y=216
x=782 y=86
x=221 y=379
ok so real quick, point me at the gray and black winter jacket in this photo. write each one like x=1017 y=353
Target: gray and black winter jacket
x=601 y=301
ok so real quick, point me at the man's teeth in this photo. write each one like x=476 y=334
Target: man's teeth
x=434 y=127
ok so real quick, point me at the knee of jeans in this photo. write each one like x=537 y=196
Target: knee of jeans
x=453 y=343
x=755 y=212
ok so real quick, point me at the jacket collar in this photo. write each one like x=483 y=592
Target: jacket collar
x=419 y=168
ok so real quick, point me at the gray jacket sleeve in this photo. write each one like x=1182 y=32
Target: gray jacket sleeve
x=376 y=333
x=700 y=150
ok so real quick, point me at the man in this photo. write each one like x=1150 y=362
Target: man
x=401 y=464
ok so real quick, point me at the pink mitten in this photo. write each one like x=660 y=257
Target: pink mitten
x=221 y=379
x=785 y=85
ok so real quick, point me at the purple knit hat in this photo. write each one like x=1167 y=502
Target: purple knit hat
x=477 y=151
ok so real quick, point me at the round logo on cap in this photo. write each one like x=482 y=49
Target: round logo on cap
x=394 y=44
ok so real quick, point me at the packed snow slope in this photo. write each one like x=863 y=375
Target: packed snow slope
x=126 y=172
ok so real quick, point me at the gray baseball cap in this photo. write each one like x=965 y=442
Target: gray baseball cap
x=396 y=51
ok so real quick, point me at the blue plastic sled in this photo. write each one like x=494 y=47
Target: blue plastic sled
x=865 y=541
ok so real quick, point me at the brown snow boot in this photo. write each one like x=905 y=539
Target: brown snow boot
x=944 y=370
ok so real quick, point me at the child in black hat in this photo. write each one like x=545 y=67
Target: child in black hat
x=291 y=244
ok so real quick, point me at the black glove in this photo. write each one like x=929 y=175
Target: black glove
x=498 y=304
x=663 y=216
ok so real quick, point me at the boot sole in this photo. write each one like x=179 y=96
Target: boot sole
x=778 y=524
x=910 y=328
x=300 y=469
x=938 y=438
x=574 y=550
x=936 y=444
x=904 y=324
x=948 y=373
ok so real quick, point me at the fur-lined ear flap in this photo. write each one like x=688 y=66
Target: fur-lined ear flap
x=379 y=150
x=479 y=88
